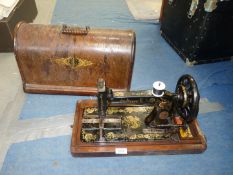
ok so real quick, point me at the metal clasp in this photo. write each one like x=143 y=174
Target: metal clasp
x=210 y=5
x=193 y=8
x=170 y=2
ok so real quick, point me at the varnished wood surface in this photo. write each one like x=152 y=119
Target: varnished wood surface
x=67 y=90
x=78 y=148
x=45 y=58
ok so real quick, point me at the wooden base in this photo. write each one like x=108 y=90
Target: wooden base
x=63 y=90
x=196 y=144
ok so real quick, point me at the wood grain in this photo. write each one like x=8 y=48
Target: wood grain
x=71 y=63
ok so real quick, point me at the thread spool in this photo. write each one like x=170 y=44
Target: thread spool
x=158 y=88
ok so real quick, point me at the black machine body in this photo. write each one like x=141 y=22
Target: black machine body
x=168 y=108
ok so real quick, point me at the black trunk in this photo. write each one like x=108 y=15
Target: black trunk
x=205 y=36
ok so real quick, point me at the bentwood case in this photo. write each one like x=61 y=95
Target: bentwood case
x=64 y=59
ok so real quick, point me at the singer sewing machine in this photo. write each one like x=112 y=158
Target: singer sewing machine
x=139 y=122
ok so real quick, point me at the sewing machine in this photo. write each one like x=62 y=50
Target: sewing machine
x=152 y=121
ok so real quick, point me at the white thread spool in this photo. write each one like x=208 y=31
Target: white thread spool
x=158 y=88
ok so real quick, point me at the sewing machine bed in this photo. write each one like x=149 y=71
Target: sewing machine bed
x=126 y=134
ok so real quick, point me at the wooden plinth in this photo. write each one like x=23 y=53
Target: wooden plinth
x=196 y=144
x=61 y=90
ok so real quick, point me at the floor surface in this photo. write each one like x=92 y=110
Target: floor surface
x=11 y=93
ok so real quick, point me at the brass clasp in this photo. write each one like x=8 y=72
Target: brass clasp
x=210 y=5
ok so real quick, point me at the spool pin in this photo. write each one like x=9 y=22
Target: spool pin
x=158 y=88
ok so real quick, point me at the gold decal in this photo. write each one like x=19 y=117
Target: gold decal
x=120 y=124
x=126 y=110
x=88 y=137
x=118 y=94
x=110 y=136
x=73 y=62
x=185 y=133
x=131 y=122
